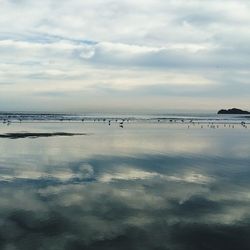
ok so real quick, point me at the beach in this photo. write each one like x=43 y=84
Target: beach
x=148 y=185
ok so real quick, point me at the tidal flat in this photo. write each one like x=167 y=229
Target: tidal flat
x=144 y=186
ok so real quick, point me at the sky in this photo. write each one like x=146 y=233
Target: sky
x=124 y=55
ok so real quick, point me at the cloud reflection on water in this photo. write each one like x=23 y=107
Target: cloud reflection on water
x=185 y=201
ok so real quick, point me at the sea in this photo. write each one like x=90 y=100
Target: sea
x=124 y=182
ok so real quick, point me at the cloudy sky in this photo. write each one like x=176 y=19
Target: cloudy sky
x=126 y=55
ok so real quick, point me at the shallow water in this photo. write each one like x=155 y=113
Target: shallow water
x=146 y=186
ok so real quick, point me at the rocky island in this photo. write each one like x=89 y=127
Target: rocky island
x=233 y=111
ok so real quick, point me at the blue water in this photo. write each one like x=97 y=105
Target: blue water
x=159 y=185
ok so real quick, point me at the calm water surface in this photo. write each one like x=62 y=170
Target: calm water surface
x=146 y=186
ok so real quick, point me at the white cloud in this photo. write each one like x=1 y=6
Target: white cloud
x=122 y=45
x=129 y=173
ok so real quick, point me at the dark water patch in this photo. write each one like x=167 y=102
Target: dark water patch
x=37 y=135
x=205 y=236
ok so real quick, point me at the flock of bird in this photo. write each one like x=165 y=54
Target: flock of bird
x=121 y=122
